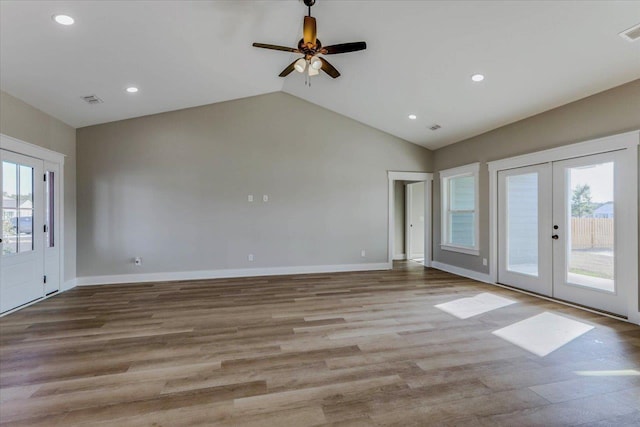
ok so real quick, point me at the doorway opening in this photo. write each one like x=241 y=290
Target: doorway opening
x=410 y=217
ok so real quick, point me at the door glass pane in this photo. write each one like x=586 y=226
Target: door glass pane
x=522 y=223
x=590 y=243
x=49 y=209
x=9 y=208
x=17 y=208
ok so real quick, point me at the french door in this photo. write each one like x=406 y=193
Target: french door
x=559 y=231
x=30 y=249
x=22 y=257
x=524 y=199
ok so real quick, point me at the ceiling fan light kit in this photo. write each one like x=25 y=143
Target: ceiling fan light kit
x=311 y=47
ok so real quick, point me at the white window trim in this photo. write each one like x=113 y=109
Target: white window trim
x=472 y=169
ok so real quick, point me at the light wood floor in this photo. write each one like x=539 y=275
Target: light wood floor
x=352 y=349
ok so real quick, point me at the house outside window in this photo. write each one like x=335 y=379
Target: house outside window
x=459 y=201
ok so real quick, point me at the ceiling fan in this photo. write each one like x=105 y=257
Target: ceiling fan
x=310 y=46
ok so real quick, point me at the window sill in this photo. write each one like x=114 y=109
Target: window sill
x=461 y=249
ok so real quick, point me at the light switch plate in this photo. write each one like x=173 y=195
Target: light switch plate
x=265 y=198
x=250 y=198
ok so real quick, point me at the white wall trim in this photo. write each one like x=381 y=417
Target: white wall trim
x=15 y=145
x=470 y=274
x=227 y=273
x=471 y=168
x=428 y=215
x=408 y=176
x=460 y=249
x=399 y=257
x=69 y=284
x=594 y=146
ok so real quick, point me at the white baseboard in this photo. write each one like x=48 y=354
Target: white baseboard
x=69 y=284
x=400 y=257
x=471 y=274
x=227 y=273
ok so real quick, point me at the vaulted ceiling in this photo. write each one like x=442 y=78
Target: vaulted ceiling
x=535 y=55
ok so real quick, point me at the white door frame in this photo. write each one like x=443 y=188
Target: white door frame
x=427 y=178
x=624 y=141
x=408 y=214
x=18 y=146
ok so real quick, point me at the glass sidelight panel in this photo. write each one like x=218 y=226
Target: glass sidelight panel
x=9 y=208
x=50 y=208
x=590 y=243
x=17 y=208
x=522 y=223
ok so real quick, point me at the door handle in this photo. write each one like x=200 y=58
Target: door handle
x=555 y=237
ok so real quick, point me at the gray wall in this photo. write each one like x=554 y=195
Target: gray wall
x=29 y=124
x=614 y=111
x=172 y=188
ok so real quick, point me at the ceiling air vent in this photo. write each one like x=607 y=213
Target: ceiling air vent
x=435 y=127
x=631 y=34
x=92 y=99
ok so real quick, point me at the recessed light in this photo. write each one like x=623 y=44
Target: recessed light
x=477 y=77
x=63 y=19
x=413 y=116
x=132 y=89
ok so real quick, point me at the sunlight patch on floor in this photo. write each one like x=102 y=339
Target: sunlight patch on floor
x=468 y=307
x=543 y=333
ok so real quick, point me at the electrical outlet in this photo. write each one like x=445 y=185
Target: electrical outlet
x=265 y=198
x=137 y=261
x=363 y=253
x=250 y=257
x=250 y=198
x=484 y=261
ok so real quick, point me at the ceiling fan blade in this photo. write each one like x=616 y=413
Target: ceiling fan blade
x=275 y=47
x=309 y=30
x=344 y=48
x=289 y=69
x=329 y=69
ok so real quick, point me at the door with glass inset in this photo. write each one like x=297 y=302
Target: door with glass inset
x=22 y=251
x=524 y=213
x=586 y=192
x=559 y=228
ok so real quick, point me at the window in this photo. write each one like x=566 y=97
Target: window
x=459 y=199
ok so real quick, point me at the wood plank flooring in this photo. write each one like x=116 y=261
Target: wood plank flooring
x=346 y=349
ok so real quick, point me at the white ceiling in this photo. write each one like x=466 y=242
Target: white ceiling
x=535 y=55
